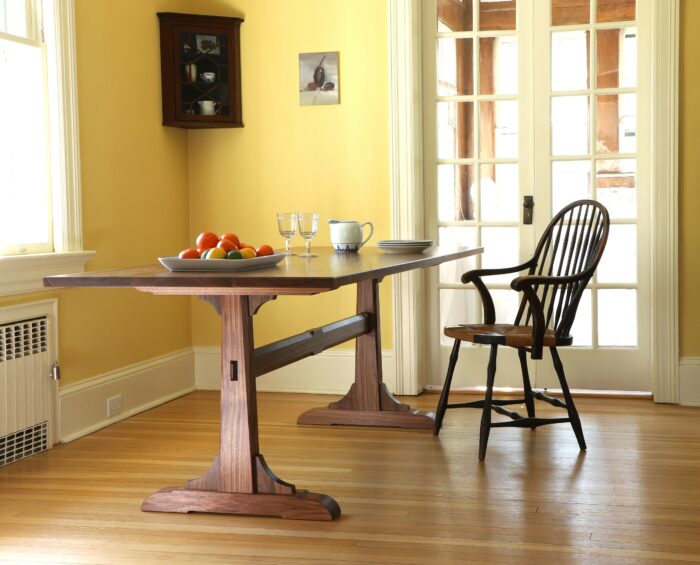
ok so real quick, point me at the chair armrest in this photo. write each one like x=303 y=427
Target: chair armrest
x=474 y=276
x=519 y=283
x=469 y=276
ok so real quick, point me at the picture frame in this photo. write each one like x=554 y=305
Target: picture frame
x=208 y=44
x=319 y=78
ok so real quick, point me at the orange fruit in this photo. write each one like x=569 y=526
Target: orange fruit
x=264 y=250
x=227 y=245
x=232 y=237
x=189 y=254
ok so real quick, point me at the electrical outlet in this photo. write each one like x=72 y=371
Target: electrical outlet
x=114 y=405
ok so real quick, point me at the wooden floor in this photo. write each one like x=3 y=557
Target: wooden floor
x=406 y=496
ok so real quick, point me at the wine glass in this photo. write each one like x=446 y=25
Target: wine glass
x=308 y=227
x=287 y=225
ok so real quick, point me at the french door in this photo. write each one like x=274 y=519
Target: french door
x=548 y=100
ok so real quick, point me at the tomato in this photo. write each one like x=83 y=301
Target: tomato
x=227 y=245
x=245 y=245
x=207 y=240
x=189 y=254
x=247 y=252
x=264 y=250
x=235 y=254
x=232 y=237
x=216 y=253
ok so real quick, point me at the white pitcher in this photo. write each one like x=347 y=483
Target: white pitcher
x=346 y=236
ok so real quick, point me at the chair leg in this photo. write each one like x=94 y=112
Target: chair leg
x=486 y=414
x=444 y=395
x=570 y=406
x=529 y=401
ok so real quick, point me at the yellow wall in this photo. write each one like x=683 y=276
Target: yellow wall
x=138 y=200
x=328 y=159
x=134 y=187
x=689 y=205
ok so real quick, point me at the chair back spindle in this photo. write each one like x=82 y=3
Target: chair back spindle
x=572 y=244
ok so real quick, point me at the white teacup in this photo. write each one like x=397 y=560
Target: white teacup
x=208 y=77
x=346 y=236
x=209 y=107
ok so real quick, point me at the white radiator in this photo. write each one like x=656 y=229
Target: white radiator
x=26 y=389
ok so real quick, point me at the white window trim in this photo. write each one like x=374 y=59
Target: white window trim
x=407 y=191
x=24 y=273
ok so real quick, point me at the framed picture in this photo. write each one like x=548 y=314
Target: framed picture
x=208 y=44
x=319 y=78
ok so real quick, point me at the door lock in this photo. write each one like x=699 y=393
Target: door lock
x=528 y=206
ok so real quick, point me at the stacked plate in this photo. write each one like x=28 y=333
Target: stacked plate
x=404 y=245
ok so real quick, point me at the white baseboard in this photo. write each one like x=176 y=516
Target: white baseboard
x=83 y=405
x=330 y=372
x=689 y=377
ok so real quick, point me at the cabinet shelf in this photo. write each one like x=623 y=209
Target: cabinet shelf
x=192 y=45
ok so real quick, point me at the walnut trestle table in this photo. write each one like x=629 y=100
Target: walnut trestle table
x=239 y=481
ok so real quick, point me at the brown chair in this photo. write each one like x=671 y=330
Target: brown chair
x=564 y=261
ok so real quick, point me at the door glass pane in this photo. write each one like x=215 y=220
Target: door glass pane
x=499 y=129
x=619 y=262
x=458 y=307
x=456 y=193
x=570 y=60
x=615 y=10
x=498 y=65
x=616 y=186
x=455 y=130
x=501 y=249
x=499 y=193
x=571 y=181
x=617 y=318
x=616 y=123
x=506 y=303
x=582 y=328
x=617 y=57
x=452 y=271
x=497 y=15
x=455 y=67
x=454 y=16
x=570 y=125
x=570 y=12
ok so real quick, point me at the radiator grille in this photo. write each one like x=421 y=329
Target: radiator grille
x=25 y=387
x=24 y=443
x=24 y=338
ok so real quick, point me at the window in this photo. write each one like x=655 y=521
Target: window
x=25 y=185
x=40 y=229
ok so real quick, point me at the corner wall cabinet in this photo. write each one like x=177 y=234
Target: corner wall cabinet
x=201 y=70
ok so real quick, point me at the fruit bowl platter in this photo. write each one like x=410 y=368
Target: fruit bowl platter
x=220 y=265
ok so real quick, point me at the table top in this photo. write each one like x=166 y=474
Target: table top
x=293 y=275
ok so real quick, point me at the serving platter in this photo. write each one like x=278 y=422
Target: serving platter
x=225 y=265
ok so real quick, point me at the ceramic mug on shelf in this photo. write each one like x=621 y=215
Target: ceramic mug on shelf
x=209 y=107
x=208 y=77
x=346 y=236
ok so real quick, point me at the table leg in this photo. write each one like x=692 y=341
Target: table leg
x=369 y=402
x=239 y=481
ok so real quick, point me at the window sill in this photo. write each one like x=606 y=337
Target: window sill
x=21 y=274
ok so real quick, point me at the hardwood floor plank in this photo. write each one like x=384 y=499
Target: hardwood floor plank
x=406 y=496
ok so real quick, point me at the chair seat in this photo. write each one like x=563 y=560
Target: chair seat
x=502 y=334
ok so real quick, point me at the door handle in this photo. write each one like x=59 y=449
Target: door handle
x=528 y=206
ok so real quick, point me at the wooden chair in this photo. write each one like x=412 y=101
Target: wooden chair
x=564 y=261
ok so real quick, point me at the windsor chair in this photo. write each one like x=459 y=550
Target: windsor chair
x=564 y=261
